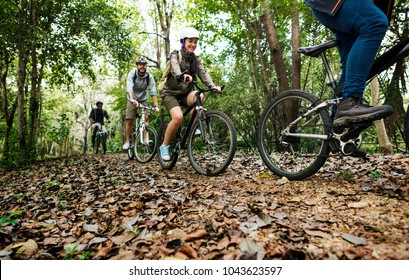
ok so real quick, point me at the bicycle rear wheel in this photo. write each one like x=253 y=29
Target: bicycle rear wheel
x=213 y=156
x=145 y=152
x=173 y=148
x=297 y=156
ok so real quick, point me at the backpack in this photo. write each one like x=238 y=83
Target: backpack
x=147 y=78
x=165 y=74
x=385 y=6
x=94 y=111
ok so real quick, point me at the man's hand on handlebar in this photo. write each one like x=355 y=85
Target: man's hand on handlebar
x=217 y=89
x=134 y=102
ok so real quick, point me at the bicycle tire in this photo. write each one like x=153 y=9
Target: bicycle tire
x=213 y=156
x=145 y=152
x=406 y=129
x=173 y=149
x=96 y=144
x=131 y=150
x=293 y=157
x=103 y=143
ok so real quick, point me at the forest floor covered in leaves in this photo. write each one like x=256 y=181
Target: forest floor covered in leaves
x=108 y=207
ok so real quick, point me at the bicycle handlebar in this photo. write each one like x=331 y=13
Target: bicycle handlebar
x=201 y=89
x=149 y=108
x=196 y=84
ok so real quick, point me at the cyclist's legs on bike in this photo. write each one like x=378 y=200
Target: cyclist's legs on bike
x=130 y=116
x=96 y=127
x=191 y=100
x=359 y=26
x=173 y=106
x=104 y=138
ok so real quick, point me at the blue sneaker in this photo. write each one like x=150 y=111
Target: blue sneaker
x=164 y=152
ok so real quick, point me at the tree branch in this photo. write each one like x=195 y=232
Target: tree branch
x=152 y=33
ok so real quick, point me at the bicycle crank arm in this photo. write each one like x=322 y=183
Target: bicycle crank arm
x=355 y=131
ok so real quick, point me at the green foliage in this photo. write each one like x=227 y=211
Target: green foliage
x=60 y=131
x=376 y=174
x=346 y=174
x=72 y=253
x=51 y=186
x=10 y=220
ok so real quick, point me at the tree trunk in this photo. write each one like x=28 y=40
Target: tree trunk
x=296 y=56
x=7 y=113
x=264 y=68
x=165 y=13
x=384 y=143
x=274 y=44
x=35 y=86
x=21 y=78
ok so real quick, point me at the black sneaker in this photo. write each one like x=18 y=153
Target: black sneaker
x=350 y=111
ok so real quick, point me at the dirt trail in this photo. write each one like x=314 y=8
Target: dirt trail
x=107 y=207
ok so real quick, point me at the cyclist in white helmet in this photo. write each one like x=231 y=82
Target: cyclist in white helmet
x=185 y=67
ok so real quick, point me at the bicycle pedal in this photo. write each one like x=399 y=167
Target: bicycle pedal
x=353 y=132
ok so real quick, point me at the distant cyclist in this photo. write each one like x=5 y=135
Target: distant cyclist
x=139 y=80
x=96 y=118
x=359 y=26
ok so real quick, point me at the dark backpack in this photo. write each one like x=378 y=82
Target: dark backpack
x=386 y=6
x=94 y=110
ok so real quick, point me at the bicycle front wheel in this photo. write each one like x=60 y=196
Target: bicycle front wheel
x=173 y=148
x=132 y=140
x=211 y=151
x=145 y=150
x=97 y=143
x=291 y=137
x=104 y=143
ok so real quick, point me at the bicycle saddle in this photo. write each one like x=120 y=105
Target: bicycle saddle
x=316 y=50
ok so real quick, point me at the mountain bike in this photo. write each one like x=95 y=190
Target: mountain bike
x=144 y=138
x=210 y=139
x=100 y=142
x=295 y=133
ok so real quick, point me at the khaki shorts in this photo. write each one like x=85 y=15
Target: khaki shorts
x=131 y=110
x=171 y=101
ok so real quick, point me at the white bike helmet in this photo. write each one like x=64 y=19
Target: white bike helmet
x=189 y=32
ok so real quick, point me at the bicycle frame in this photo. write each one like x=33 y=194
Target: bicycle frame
x=197 y=109
x=297 y=144
x=387 y=59
x=324 y=104
x=142 y=124
x=380 y=64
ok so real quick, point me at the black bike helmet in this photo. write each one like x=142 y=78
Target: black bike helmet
x=99 y=102
x=141 y=60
